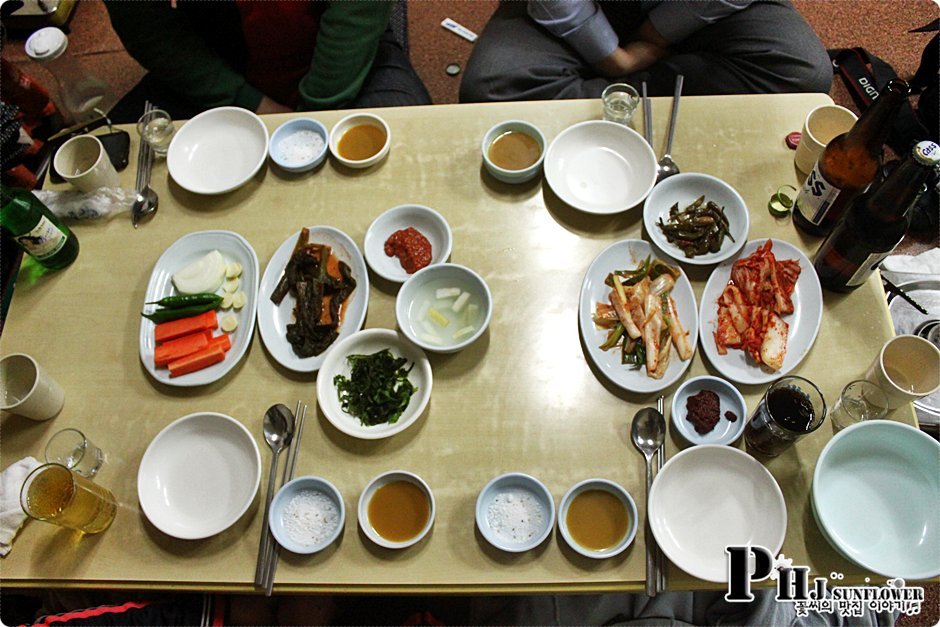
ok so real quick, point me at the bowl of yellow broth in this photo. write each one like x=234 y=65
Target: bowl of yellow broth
x=597 y=518
x=396 y=509
x=360 y=140
x=513 y=151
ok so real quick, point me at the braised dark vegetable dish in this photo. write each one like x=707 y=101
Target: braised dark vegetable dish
x=698 y=229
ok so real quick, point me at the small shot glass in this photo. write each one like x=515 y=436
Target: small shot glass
x=860 y=400
x=620 y=102
x=156 y=128
x=76 y=452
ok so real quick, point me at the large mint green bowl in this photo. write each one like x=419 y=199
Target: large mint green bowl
x=876 y=498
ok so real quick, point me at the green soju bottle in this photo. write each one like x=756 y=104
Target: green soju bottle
x=36 y=229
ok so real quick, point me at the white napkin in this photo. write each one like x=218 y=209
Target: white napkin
x=928 y=262
x=11 y=513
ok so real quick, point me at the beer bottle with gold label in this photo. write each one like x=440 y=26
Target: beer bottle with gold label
x=875 y=223
x=36 y=229
x=848 y=164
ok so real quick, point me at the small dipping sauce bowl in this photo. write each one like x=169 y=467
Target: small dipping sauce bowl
x=509 y=151
x=443 y=308
x=307 y=515
x=396 y=509
x=360 y=140
x=597 y=518
x=515 y=512
x=299 y=145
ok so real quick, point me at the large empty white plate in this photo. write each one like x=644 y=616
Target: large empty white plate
x=600 y=167
x=711 y=496
x=273 y=319
x=199 y=475
x=876 y=497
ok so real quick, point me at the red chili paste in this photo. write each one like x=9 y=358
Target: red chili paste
x=411 y=247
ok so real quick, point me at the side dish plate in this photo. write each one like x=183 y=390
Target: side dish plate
x=182 y=252
x=625 y=255
x=273 y=319
x=804 y=321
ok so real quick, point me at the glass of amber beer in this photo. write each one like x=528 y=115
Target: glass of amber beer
x=55 y=494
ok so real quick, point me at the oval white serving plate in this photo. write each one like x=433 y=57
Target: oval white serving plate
x=623 y=255
x=180 y=253
x=273 y=319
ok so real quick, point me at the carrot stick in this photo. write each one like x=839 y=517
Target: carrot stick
x=173 y=329
x=221 y=340
x=197 y=361
x=180 y=347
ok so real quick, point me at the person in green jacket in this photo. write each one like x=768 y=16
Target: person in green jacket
x=265 y=56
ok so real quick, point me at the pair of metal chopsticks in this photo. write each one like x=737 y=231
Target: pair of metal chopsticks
x=144 y=166
x=270 y=563
x=660 y=460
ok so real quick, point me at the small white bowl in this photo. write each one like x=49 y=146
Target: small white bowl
x=513 y=176
x=428 y=222
x=515 y=484
x=416 y=305
x=684 y=189
x=308 y=158
x=622 y=495
x=283 y=498
x=355 y=119
x=383 y=480
x=218 y=151
x=729 y=398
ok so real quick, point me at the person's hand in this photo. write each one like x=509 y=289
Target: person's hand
x=270 y=106
x=647 y=47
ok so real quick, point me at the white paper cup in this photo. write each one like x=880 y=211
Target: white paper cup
x=27 y=389
x=83 y=162
x=821 y=126
x=907 y=368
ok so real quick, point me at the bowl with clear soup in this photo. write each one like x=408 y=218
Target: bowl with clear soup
x=597 y=518
x=396 y=509
x=360 y=140
x=513 y=151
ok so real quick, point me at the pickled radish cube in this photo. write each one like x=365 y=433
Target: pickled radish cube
x=428 y=327
x=464 y=332
x=447 y=292
x=423 y=312
x=437 y=317
x=460 y=302
x=430 y=339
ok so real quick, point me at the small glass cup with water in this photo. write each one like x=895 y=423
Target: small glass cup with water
x=156 y=128
x=76 y=452
x=860 y=400
x=620 y=102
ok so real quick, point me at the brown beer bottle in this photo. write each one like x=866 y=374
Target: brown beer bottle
x=848 y=164
x=874 y=224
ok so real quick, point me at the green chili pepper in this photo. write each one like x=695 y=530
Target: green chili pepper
x=188 y=300
x=165 y=315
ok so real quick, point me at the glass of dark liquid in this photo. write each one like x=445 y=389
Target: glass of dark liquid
x=791 y=408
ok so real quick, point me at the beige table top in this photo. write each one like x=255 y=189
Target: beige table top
x=522 y=398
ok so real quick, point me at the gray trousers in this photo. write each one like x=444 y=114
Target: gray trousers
x=765 y=48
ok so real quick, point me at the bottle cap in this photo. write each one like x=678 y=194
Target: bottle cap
x=46 y=43
x=793 y=139
x=927 y=153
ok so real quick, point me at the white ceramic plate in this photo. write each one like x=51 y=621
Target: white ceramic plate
x=709 y=497
x=199 y=475
x=425 y=220
x=367 y=342
x=624 y=255
x=218 y=151
x=686 y=188
x=876 y=498
x=600 y=167
x=181 y=253
x=804 y=321
x=273 y=319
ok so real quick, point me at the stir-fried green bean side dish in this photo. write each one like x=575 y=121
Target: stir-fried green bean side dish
x=698 y=229
x=377 y=390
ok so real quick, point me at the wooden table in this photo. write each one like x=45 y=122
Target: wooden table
x=522 y=398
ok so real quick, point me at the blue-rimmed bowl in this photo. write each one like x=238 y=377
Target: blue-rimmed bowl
x=621 y=495
x=309 y=152
x=515 y=484
x=276 y=516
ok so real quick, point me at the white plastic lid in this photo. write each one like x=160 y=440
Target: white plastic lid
x=46 y=43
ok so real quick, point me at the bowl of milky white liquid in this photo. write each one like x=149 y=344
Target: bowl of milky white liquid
x=307 y=515
x=299 y=145
x=515 y=512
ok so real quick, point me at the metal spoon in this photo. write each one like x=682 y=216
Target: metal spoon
x=667 y=167
x=648 y=433
x=147 y=201
x=278 y=432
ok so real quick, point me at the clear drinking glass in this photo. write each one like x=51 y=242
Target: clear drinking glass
x=620 y=102
x=156 y=128
x=73 y=450
x=54 y=494
x=791 y=408
x=860 y=400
